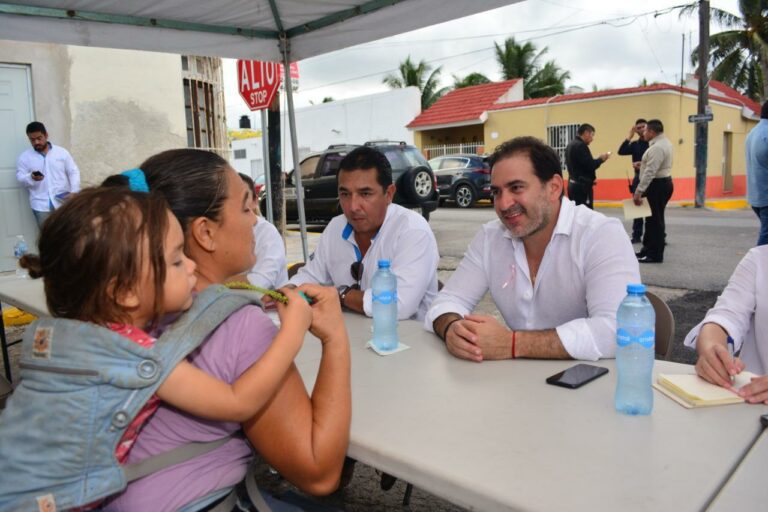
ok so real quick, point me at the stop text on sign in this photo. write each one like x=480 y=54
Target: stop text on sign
x=258 y=82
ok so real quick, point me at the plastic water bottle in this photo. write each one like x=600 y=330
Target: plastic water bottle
x=384 y=307
x=636 y=340
x=19 y=250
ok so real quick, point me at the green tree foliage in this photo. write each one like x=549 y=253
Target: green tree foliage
x=420 y=75
x=738 y=56
x=523 y=61
x=470 y=80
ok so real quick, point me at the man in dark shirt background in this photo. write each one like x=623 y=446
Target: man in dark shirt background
x=636 y=149
x=581 y=165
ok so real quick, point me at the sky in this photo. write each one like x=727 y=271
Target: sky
x=603 y=44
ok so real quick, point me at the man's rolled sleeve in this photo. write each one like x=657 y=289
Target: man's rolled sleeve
x=609 y=266
x=465 y=288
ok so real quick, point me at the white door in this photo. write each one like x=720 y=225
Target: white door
x=15 y=113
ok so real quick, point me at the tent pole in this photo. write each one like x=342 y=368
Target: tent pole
x=265 y=165
x=285 y=50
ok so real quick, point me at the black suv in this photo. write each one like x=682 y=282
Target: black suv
x=411 y=174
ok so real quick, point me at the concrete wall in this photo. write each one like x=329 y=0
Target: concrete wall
x=50 y=66
x=125 y=106
x=110 y=108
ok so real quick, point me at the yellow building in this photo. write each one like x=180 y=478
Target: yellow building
x=483 y=116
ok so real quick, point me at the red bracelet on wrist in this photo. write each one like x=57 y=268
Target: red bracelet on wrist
x=514 y=336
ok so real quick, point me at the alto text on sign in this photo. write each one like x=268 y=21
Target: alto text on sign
x=258 y=82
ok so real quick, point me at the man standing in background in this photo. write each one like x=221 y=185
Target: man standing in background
x=757 y=172
x=656 y=185
x=636 y=149
x=581 y=166
x=47 y=171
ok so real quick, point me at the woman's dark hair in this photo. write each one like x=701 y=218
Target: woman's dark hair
x=192 y=181
x=92 y=250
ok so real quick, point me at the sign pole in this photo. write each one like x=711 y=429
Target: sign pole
x=265 y=165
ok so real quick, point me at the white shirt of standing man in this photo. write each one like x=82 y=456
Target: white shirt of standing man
x=557 y=273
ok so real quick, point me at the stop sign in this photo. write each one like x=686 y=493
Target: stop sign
x=258 y=82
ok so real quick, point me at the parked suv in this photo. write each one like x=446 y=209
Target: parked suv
x=411 y=174
x=463 y=178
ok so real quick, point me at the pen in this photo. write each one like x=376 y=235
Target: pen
x=729 y=344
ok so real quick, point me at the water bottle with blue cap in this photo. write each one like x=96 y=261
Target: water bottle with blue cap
x=635 y=351
x=384 y=289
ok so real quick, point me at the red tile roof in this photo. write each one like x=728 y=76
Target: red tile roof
x=465 y=104
x=733 y=97
x=736 y=95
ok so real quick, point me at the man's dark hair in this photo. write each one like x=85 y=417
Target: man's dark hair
x=655 y=126
x=545 y=161
x=586 y=127
x=641 y=120
x=764 y=111
x=366 y=157
x=36 y=126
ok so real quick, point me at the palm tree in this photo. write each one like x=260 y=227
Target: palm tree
x=739 y=56
x=470 y=80
x=522 y=61
x=419 y=75
x=547 y=81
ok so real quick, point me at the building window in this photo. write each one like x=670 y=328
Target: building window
x=558 y=136
x=200 y=113
x=239 y=154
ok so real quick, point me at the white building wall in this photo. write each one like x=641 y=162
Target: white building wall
x=350 y=121
x=125 y=106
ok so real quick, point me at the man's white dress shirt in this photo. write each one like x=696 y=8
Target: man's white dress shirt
x=742 y=310
x=581 y=281
x=405 y=239
x=270 y=270
x=61 y=176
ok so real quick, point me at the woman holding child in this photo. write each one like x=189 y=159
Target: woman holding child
x=304 y=438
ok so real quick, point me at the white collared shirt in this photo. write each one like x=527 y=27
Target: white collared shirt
x=742 y=310
x=581 y=281
x=405 y=239
x=61 y=176
x=270 y=270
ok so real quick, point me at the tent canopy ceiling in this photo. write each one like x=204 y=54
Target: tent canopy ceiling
x=245 y=29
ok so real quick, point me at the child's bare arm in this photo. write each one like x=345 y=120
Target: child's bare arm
x=190 y=389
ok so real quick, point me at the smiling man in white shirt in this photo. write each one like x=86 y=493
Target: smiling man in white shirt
x=556 y=271
x=47 y=171
x=373 y=228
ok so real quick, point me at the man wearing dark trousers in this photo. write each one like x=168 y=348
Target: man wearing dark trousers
x=656 y=185
x=581 y=166
x=635 y=149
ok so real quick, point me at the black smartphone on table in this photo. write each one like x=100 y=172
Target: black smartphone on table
x=576 y=376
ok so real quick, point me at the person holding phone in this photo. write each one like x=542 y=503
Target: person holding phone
x=556 y=271
x=47 y=171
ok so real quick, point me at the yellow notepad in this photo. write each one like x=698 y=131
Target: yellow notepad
x=691 y=391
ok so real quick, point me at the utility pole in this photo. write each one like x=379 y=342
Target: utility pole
x=274 y=170
x=702 y=127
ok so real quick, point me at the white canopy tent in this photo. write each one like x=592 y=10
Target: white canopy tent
x=272 y=30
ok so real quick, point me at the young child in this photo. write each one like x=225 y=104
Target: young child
x=113 y=257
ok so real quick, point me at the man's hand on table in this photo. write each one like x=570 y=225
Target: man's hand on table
x=490 y=336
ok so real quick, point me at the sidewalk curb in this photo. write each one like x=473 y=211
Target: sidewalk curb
x=736 y=203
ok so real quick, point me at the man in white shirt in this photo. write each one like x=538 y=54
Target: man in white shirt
x=556 y=271
x=372 y=228
x=47 y=171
